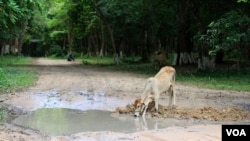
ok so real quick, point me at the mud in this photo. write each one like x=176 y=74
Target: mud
x=69 y=85
x=205 y=113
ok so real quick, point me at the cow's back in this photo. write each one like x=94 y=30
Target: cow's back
x=165 y=78
x=166 y=71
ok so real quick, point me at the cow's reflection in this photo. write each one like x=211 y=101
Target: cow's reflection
x=141 y=124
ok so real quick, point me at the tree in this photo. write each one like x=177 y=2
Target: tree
x=9 y=15
x=229 y=34
x=117 y=26
x=13 y=24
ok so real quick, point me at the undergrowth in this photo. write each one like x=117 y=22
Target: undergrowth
x=12 y=77
x=221 y=78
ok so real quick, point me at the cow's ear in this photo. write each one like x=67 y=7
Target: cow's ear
x=137 y=101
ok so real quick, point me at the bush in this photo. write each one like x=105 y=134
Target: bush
x=57 y=51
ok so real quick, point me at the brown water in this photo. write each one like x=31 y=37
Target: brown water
x=60 y=121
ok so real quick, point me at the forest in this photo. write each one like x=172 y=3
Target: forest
x=202 y=32
x=116 y=47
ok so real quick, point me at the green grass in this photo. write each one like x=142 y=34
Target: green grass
x=15 y=78
x=7 y=60
x=12 y=77
x=1 y=115
x=221 y=78
x=104 y=61
x=128 y=65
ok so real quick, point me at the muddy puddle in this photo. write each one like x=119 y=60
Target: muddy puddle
x=61 y=121
x=79 y=99
x=57 y=113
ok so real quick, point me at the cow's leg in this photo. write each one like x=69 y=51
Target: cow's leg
x=171 y=96
x=170 y=100
x=157 y=96
x=173 y=93
x=145 y=110
x=156 y=105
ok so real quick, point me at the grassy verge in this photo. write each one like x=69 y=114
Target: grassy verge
x=128 y=65
x=221 y=78
x=1 y=115
x=12 y=77
x=14 y=60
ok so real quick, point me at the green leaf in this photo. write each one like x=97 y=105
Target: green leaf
x=211 y=24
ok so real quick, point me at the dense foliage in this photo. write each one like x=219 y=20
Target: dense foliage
x=126 y=27
x=14 y=17
x=229 y=34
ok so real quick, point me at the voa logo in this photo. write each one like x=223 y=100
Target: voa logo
x=236 y=132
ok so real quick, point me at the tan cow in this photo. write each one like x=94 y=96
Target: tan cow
x=162 y=82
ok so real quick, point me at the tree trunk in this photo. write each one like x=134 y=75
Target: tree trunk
x=70 y=38
x=110 y=28
x=94 y=42
x=122 y=48
x=144 y=54
x=20 y=40
x=206 y=63
x=112 y=38
x=184 y=47
x=89 y=46
x=5 y=49
x=102 y=41
x=16 y=46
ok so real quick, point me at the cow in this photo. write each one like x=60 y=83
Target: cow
x=162 y=82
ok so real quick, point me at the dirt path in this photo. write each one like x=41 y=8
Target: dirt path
x=62 y=84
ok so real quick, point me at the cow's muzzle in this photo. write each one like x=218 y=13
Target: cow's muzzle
x=139 y=109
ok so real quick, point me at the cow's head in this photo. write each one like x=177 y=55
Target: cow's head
x=139 y=107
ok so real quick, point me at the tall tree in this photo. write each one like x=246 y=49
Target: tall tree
x=13 y=24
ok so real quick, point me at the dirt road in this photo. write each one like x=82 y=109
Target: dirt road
x=62 y=84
